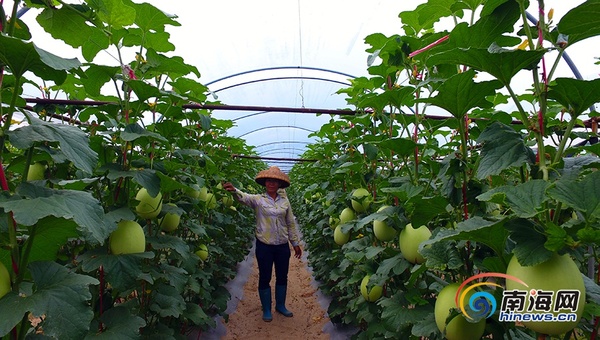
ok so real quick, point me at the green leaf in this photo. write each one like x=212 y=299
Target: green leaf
x=21 y=57
x=395 y=312
x=118 y=324
x=146 y=178
x=115 y=13
x=121 y=271
x=496 y=19
x=404 y=192
x=167 y=302
x=177 y=277
x=196 y=315
x=557 y=237
x=592 y=289
x=135 y=131
x=370 y=151
x=529 y=242
x=425 y=15
x=425 y=209
x=49 y=235
x=403 y=147
x=574 y=94
x=441 y=255
x=173 y=66
x=503 y=148
x=396 y=265
x=503 y=65
x=581 y=22
x=74 y=142
x=150 y=18
x=589 y=235
x=79 y=206
x=143 y=90
x=461 y=93
x=580 y=195
x=59 y=294
x=476 y=229
x=372 y=252
x=524 y=199
x=170 y=242
x=66 y=24
x=97 y=76
x=158 y=41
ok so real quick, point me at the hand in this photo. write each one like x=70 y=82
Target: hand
x=297 y=252
x=228 y=186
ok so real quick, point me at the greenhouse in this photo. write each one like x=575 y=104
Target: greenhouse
x=428 y=167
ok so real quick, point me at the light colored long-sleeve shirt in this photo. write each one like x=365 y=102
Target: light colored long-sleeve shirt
x=275 y=221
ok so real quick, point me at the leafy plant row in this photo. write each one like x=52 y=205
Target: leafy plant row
x=71 y=172
x=468 y=132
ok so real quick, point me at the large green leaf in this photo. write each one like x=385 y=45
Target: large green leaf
x=158 y=41
x=66 y=24
x=97 y=76
x=147 y=178
x=425 y=209
x=135 y=131
x=441 y=255
x=150 y=18
x=143 y=90
x=118 y=324
x=581 y=22
x=21 y=57
x=529 y=242
x=403 y=147
x=49 y=235
x=476 y=229
x=74 y=142
x=574 y=94
x=115 y=13
x=496 y=19
x=170 y=242
x=60 y=295
x=38 y=202
x=503 y=65
x=461 y=93
x=173 y=66
x=524 y=199
x=167 y=301
x=580 y=195
x=121 y=271
x=425 y=15
x=195 y=314
x=503 y=148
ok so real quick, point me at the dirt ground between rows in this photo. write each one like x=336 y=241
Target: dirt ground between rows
x=308 y=320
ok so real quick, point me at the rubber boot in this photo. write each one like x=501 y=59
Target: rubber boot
x=280 y=292
x=265 y=300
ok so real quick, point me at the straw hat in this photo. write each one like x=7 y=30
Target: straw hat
x=273 y=173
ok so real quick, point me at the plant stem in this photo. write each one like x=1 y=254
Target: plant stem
x=563 y=141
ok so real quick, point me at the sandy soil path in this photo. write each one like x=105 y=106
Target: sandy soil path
x=308 y=320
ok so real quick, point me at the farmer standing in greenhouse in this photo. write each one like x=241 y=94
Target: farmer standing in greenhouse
x=275 y=229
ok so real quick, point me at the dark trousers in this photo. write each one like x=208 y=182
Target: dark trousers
x=268 y=255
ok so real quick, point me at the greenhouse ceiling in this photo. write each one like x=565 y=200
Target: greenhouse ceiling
x=289 y=54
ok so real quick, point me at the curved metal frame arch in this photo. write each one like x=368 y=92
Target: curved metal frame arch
x=280 y=78
x=275 y=127
x=279 y=68
x=283 y=142
x=278 y=150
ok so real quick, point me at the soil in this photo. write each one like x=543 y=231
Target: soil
x=309 y=317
